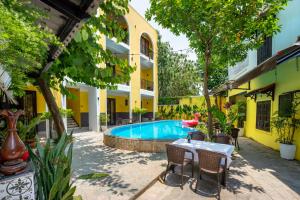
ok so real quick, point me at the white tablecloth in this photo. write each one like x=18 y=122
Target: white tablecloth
x=216 y=147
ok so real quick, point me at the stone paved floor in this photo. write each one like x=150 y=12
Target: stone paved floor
x=256 y=173
x=129 y=171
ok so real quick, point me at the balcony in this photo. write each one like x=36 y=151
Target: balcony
x=147 y=85
x=115 y=47
x=146 y=50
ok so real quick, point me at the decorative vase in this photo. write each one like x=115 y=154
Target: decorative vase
x=12 y=148
x=287 y=151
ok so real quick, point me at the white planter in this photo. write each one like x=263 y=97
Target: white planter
x=287 y=151
x=241 y=132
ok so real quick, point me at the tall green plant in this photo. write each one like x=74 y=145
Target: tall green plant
x=52 y=164
x=220 y=31
x=286 y=126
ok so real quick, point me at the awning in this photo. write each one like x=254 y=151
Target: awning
x=64 y=19
x=262 y=68
x=269 y=90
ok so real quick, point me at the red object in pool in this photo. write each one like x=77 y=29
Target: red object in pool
x=191 y=123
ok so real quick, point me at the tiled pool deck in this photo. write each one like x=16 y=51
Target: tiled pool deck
x=256 y=173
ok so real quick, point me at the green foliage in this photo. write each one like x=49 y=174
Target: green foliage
x=178 y=112
x=177 y=75
x=222 y=119
x=286 y=126
x=226 y=120
x=28 y=131
x=220 y=31
x=52 y=164
x=93 y=176
x=168 y=100
x=23 y=43
x=140 y=111
x=85 y=56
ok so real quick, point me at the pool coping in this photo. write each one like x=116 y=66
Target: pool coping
x=108 y=131
x=136 y=144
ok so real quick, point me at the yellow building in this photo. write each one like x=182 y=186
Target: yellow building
x=268 y=80
x=140 y=50
x=88 y=103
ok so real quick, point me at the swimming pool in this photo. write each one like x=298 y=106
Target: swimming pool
x=160 y=130
x=146 y=137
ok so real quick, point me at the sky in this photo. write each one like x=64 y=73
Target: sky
x=176 y=42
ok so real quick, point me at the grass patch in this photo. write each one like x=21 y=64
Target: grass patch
x=93 y=176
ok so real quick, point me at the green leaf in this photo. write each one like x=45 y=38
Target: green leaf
x=84 y=34
x=77 y=37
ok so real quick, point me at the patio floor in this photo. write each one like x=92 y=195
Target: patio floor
x=128 y=171
x=257 y=172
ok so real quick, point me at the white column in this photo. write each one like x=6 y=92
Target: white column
x=94 y=109
x=64 y=106
x=154 y=107
x=47 y=125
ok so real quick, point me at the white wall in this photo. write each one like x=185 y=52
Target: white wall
x=289 y=20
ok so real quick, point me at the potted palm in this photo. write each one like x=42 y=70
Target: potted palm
x=286 y=126
x=139 y=112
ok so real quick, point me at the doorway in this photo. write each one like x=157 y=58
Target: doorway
x=111 y=111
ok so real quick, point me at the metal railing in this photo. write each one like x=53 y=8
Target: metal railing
x=146 y=85
x=147 y=52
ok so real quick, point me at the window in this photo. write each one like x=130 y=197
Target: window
x=263 y=112
x=265 y=51
x=145 y=47
x=285 y=105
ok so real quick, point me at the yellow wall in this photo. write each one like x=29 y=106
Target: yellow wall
x=120 y=103
x=40 y=101
x=137 y=26
x=84 y=101
x=286 y=77
x=148 y=104
x=74 y=104
x=146 y=74
x=198 y=100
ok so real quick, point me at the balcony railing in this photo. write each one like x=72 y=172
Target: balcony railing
x=147 y=52
x=146 y=85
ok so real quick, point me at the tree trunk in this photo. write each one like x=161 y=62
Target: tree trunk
x=205 y=90
x=52 y=106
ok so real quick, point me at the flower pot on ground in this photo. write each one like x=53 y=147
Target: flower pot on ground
x=285 y=125
x=139 y=112
x=287 y=151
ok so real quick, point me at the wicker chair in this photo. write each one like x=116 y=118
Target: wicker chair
x=197 y=135
x=221 y=138
x=210 y=162
x=176 y=156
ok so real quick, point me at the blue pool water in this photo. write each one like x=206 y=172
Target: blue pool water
x=159 y=130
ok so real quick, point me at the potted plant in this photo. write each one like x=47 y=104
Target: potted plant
x=232 y=117
x=104 y=118
x=139 y=112
x=286 y=126
x=27 y=133
x=228 y=120
x=222 y=119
